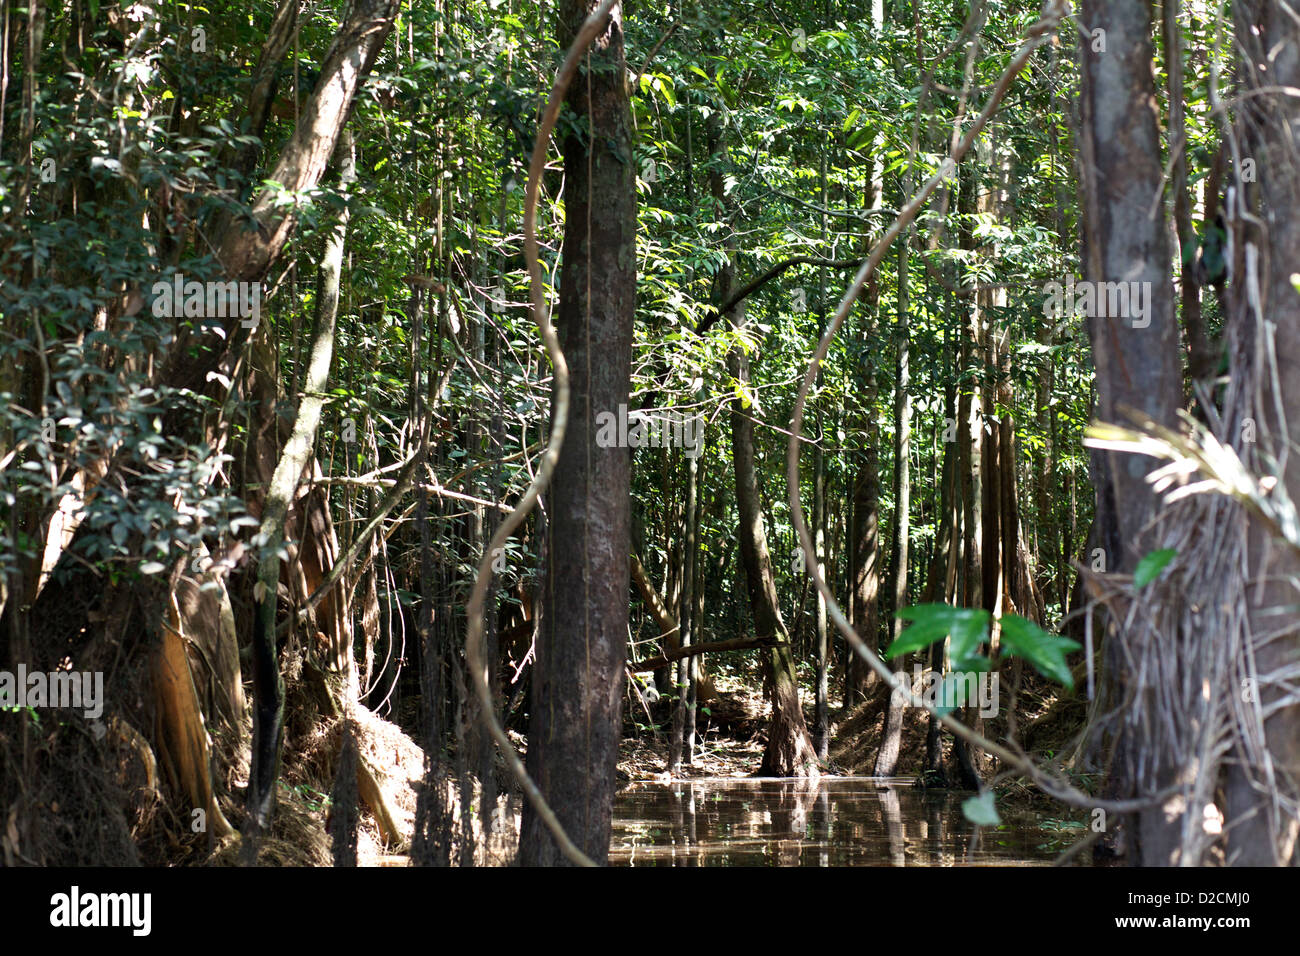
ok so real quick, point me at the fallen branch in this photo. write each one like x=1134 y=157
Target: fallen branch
x=670 y=657
x=664 y=620
x=372 y=794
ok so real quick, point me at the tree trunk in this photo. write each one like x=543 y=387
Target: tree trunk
x=687 y=676
x=1138 y=363
x=891 y=736
x=790 y=751
x=574 y=727
x=821 y=705
x=298 y=453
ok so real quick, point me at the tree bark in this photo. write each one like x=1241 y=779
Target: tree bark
x=574 y=727
x=1138 y=366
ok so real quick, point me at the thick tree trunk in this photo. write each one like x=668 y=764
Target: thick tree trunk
x=1138 y=362
x=67 y=603
x=573 y=732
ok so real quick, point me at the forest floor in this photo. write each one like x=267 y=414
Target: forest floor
x=730 y=736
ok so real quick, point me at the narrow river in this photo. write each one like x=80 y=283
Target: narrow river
x=837 y=821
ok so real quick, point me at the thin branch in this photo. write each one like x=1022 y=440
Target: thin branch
x=755 y=284
x=636 y=82
x=400 y=487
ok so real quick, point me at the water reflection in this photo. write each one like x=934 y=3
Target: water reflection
x=837 y=821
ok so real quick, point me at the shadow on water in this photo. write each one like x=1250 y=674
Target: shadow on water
x=837 y=821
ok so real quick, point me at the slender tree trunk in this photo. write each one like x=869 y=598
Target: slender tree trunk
x=970 y=442
x=1200 y=357
x=790 y=751
x=865 y=554
x=940 y=583
x=689 y=587
x=268 y=714
x=821 y=707
x=865 y=583
x=892 y=734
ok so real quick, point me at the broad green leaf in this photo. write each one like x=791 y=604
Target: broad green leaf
x=1149 y=568
x=1046 y=652
x=933 y=622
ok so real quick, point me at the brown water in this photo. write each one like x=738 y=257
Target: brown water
x=837 y=821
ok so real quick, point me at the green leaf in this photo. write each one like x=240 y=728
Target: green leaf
x=1149 y=568
x=968 y=626
x=981 y=810
x=1046 y=652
